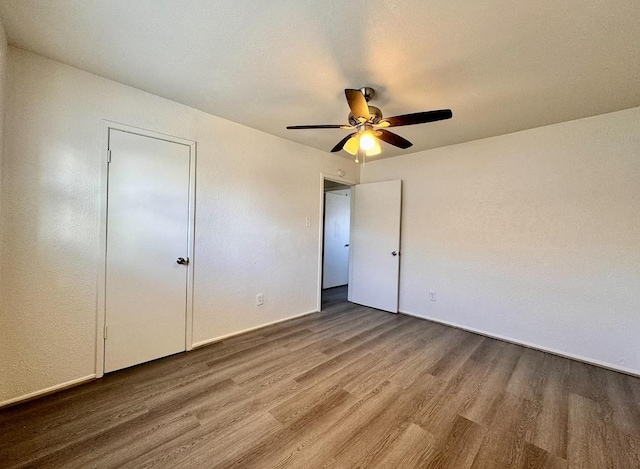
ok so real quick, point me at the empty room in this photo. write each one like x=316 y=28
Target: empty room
x=319 y=234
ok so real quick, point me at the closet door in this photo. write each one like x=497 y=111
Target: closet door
x=147 y=245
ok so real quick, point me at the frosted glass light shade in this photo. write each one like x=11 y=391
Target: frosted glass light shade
x=352 y=145
x=367 y=141
x=376 y=150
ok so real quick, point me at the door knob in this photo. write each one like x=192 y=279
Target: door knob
x=394 y=253
x=183 y=261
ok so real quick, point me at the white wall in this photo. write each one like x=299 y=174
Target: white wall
x=533 y=236
x=253 y=194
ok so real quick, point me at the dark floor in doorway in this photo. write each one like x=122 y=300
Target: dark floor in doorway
x=332 y=296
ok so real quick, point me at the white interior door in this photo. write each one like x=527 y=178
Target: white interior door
x=375 y=245
x=337 y=219
x=147 y=231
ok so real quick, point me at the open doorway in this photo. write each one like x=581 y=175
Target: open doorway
x=335 y=242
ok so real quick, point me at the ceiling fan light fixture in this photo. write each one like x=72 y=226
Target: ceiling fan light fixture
x=376 y=150
x=367 y=141
x=352 y=145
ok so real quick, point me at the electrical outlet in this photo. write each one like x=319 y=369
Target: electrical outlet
x=307 y=222
x=432 y=295
x=259 y=299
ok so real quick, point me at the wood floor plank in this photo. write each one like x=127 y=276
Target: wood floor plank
x=40 y=441
x=413 y=448
x=544 y=378
x=341 y=436
x=343 y=388
x=624 y=404
x=227 y=415
x=120 y=444
x=459 y=447
x=551 y=430
x=340 y=331
x=302 y=402
x=361 y=325
x=438 y=342
x=389 y=337
x=389 y=359
x=200 y=447
x=246 y=360
x=369 y=336
x=498 y=360
x=594 y=440
x=371 y=444
x=193 y=394
x=258 y=397
x=459 y=393
x=337 y=321
x=299 y=430
x=187 y=389
x=290 y=364
x=231 y=444
x=25 y=421
x=319 y=345
x=450 y=363
x=506 y=438
x=587 y=435
x=537 y=458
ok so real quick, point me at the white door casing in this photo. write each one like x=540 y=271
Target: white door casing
x=375 y=237
x=148 y=229
x=337 y=218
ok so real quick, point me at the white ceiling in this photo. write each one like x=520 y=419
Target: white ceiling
x=500 y=65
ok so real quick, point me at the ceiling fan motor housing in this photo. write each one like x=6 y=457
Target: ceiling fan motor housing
x=376 y=116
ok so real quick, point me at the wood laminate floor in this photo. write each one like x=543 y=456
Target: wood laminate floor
x=348 y=387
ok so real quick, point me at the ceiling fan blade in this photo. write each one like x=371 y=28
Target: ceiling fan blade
x=393 y=139
x=357 y=104
x=341 y=143
x=328 y=126
x=419 y=117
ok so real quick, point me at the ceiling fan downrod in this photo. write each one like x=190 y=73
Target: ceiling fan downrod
x=368 y=93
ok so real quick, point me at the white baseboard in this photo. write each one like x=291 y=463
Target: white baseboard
x=49 y=390
x=203 y=343
x=571 y=356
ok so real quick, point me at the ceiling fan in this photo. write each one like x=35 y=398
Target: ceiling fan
x=370 y=127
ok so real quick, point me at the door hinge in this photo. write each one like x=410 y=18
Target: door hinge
x=108 y=156
x=104 y=333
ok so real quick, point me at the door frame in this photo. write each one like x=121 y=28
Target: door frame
x=346 y=182
x=101 y=312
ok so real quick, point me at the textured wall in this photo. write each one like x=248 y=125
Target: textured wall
x=3 y=68
x=253 y=194
x=534 y=236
